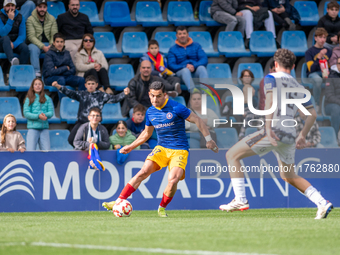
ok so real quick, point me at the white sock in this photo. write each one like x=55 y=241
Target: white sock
x=314 y=196
x=239 y=189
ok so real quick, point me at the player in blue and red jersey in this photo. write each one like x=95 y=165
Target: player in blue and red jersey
x=168 y=118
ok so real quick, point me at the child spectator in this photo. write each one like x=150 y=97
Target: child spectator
x=10 y=139
x=88 y=99
x=160 y=66
x=92 y=132
x=38 y=109
x=122 y=137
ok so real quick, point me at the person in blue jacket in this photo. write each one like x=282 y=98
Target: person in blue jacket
x=13 y=34
x=187 y=58
x=38 y=109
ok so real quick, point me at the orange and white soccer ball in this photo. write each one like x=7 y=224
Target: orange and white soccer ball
x=122 y=208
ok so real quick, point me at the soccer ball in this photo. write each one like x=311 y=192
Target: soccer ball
x=122 y=208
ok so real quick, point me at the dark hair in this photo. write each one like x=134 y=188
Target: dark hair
x=250 y=73
x=139 y=108
x=320 y=31
x=82 y=41
x=31 y=94
x=58 y=35
x=121 y=122
x=181 y=28
x=157 y=85
x=272 y=65
x=333 y=4
x=152 y=42
x=95 y=109
x=285 y=58
x=91 y=78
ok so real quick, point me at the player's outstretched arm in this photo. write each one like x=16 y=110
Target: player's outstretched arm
x=193 y=118
x=271 y=135
x=142 y=138
x=309 y=122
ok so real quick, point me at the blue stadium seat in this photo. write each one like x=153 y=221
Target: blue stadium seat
x=59 y=140
x=21 y=77
x=256 y=69
x=214 y=106
x=204 y=39
x=180 y=100
x=304 y=79
x=204 y=15
x=295 y=41
x=55 y=8
x=69 y=110
x=328 y=137
x=194 y=139
x=117 y=14
x=226 y=137
x=23 y=132
x=220 y=72
x=325 y=8
x=149 y=14
x=11 y=105
x=120 y=75
x=318 y=117
x=106 y=42
x=250 y=130
x=3 y=86
x=324 y=115
x=231 y=44
x=165 y=41
x=181 y=14
x=54 y=119
x=262 y=43
x=90 y=9
x=292 y=73
x=308 y=12
x=112 y=114
x=134 y=44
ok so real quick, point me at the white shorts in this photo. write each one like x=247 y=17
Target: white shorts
x=260 y=144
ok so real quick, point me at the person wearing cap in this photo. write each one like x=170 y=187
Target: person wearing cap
x=13 y=34
x=25 y=7
x=41 y=27
x=73 y=25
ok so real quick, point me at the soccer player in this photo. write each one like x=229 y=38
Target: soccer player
x=279 y=139
x=167 y=117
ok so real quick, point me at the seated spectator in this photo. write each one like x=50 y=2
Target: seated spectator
x=91 y=61
x=160 y=66
x=122 y=137
x=331 y=23
x=313 y=137
x=25 y=7
x=262 y=95
x=38 y=108
x=88 y=99
x=335 y=54
x=313 y=56
x=10 y=139
x=195 y=104
x=247 y=77
x=58 y=65
x=13 y=34
x=225 y=12
x=41 y=27
x=187 y=58
x=92 y=132
x=283 y=13
x=332 y=97
x=74 y=24
x=255 y=16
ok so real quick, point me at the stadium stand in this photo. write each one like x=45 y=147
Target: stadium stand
x=148 y=14
x=3 y=86
x=256 y=69
x=250 y=130
x=181 y=14
x=165 y=41
x=106 y=42
x=90 y=9
x=55 y=8
x=112 y=113
x=120 y=75
x=68 y=110
x=204 y=15
x=295 y=41
x=231 y=44
x=180 y=100
x=308 y=12
x=230 y=137
x=328 y=137
x=193 y=140
x=11 y=105
x=134 y=44
x=20 y=77
x=58 y=140
x=117 y=14
x=262 y=43
x=204 y=39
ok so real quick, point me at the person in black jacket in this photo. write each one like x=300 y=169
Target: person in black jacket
x=331 y=22
x=282 y=12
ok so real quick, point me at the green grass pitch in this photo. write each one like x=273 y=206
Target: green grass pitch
x=265 y=231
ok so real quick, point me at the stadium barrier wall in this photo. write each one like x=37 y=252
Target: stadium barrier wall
x=61 y=181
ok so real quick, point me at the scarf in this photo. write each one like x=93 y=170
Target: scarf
x=159 y=64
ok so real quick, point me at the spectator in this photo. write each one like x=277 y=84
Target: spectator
x=160 y=66
x=313 y=55
x=139 y=87
x=38 y=108
x=332 y=96
x=13 y=34
x=331 y=23
x=88 y=99
x=187 y=58
x=262 y=95
x=91 y=61
x=313 y=137
x=25 y=7
x=195 y=104
x=335 y=54
x=122 y=137
x=41 y=27
x=92 y=132
x=58 y=65
x=74 y=24
x=225 y=12
x=255 y=16
x=283 y=13
x=10 y=139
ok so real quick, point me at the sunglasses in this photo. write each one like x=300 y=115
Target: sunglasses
x=88 y=40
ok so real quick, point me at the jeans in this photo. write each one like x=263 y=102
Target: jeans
x=268 y=23
x=101 y=76
x=231 y=21
x=186 y=76
x=21 y=49
x=316 y=80
x=41 y=136
x=27 y=8
x=34 y=56
x=334 y=111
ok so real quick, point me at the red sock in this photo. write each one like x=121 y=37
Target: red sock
x=127 y=191
x=165 y=201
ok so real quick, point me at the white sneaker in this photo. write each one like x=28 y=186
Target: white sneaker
x=15 y=62
x=235 y=205
x=323 y=211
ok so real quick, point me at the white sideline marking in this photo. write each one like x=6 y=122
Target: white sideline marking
x=118 y=248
